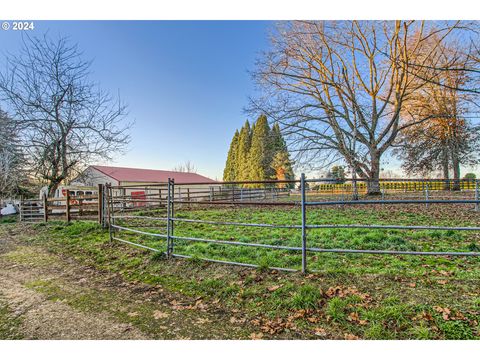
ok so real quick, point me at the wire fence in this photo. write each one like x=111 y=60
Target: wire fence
x=148 y=219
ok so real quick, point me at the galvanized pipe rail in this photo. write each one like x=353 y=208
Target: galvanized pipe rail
x=313 y=226
x=170 y=237
x=139 y=231
x=232 y=263
x=137 y=245
x=373 y=202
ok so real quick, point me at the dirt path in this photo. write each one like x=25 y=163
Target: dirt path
x=53 y=298
x=43 y=319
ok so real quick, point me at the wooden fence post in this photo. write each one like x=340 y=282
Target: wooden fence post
x=45 y=207
x=21 y=208
x=476 y=195
x=67 y=207
x=100 y=204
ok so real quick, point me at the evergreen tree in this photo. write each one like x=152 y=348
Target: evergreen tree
x=244 y=142
x=260 y=159
x=230 y=172
x=281 y=165
x=275 y=145
x=258 y=153
x=276 y=140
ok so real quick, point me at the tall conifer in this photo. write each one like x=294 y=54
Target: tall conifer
x=244 y=142
x=258 y=153
x=259 y=159
x=230 y=172
x=281 y=165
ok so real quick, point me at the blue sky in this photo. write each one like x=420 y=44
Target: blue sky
x=186 y=83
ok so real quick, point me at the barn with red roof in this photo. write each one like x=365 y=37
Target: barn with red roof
x=98 y=174
x=133 y=179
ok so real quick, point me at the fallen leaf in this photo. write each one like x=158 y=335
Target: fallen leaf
x=132 y=314
x=423 y=315
x=459 y=316
x=234 y=320
x=412 y=285
x=275 y=287
x=157 y=314
x=354 y=317
x=320 y=332
x=444 y=311
x=256 y=336
x=350 y=337
x=344 y=292
x=428 y=316
x=334 y=291
x=313 y=319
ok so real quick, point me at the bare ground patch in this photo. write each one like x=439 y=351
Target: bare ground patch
x=56 y=298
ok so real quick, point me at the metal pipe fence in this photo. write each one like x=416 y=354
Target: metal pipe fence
x=173 y=201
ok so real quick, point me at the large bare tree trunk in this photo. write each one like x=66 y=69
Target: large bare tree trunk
x=373 y=185
x=446 y=172
x=52 y=187
x=456 y=173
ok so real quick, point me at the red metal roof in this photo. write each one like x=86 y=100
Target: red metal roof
x=149 y=175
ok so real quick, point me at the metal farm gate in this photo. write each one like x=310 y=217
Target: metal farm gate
x=31 y=210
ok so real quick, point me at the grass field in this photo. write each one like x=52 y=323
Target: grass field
x=347 y=297
x=376 y=239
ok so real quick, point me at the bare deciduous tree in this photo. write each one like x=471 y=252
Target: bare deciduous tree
x=12 y=172
x=65 y=121
x=187 y=167
x=338 y=88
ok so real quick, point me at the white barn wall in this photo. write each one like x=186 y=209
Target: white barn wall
x=93 y=177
